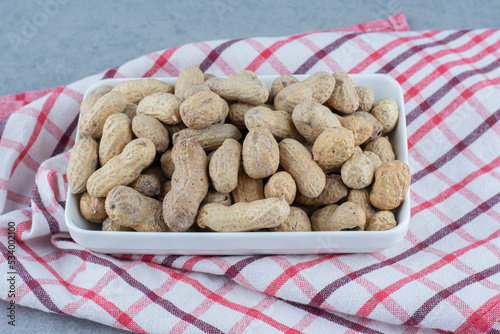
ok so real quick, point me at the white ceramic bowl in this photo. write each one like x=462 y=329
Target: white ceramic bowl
x=90 y=236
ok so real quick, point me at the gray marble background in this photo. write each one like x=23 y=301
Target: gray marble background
x=43 y=45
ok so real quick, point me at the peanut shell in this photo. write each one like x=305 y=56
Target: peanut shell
x=248 y=189
x=122 y=169
x=281 y=184
x=147 y=185
x=92 y=123
x=242 y=87
x=92 y=98
x=148 y=127
x=225 y=165
x=82 y=164
x=361 y=128
x=127 y=207
x=209 y=138
x=297 y=221
x=260 y=153
x=311 y=118
x=203 y=109
x=162 y=106
x=188 y=77
x=392 y=180
x=189 y=185
x=386 y=111
x=366 y=98
x=136 y=90
x=92 y=208
x=321 y=85
x=382 y=147
x=240 y=217
x=116 y=134
x=344 y=97
x=382 y=221
x=277 y=121
x=333 y=146
x=297 y=160
x=333 y=192
x=377 y=126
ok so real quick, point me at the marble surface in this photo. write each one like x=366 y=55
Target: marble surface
x=74 y=39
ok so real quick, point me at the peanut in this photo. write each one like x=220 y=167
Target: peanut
x=92 y=123
x=297 y=221
x=321 y=85
x=122 y=169
x=348 y=216
x=116 y=134
x=279 y=83
x=82 y=164
x=377 y=126
x=127 y=207
x=382 y=221
x=242 y=87
x=92 y=208
x=237 y=112
x=281 y=184
x=194 y=90
x=361 y=128
x=148 y=127
x=386 y=111
x=240 y=217
x=311 y=118
x=225 y=165
x=92 y=98
x=147 y=185
x=392 y=180
x=162 y=106
x=357 y=172
x=189 y=185
x=317 y=87
x=248 y=189
x=321 y=219
x=277 y=121
x=333 y=146
x=366 y=98
x=260 y=153
x=362 y=198
x=382 y=147
x=136 y=90
x=110 y=225
x=344 y=97
x=213 y=196
x=203 y=109
x=167 y=164
x=188 y=77
x=333 y=192
x=291 y=95
x=209 y=138
x=297 y=160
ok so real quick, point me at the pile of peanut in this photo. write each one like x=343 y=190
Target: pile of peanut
x=229 y=154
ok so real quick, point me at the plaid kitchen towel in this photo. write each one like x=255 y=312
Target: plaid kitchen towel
x=444 y=276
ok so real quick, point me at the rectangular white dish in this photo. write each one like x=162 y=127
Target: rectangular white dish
x=88 y=234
